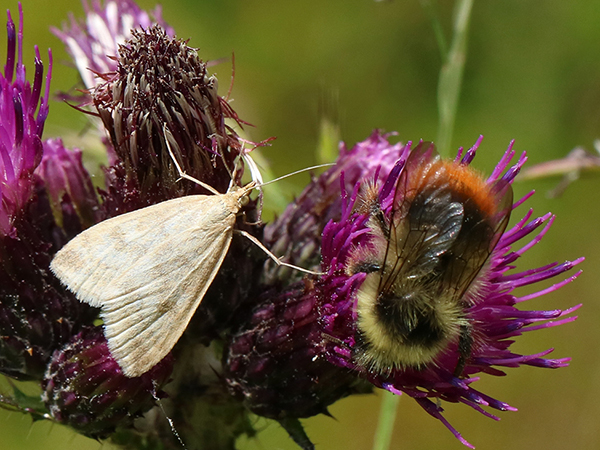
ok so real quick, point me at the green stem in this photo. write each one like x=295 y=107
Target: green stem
x=438 y=30
x=451 y=76
x=387 y=417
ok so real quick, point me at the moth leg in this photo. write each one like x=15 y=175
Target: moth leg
x=377 y=214
x=180 y=171
x=277 y=260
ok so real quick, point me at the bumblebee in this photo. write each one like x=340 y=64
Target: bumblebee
x=422 y=261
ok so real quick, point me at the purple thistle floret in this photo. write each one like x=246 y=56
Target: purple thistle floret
x=297 y=231
x=22 y=114
x=494 y=317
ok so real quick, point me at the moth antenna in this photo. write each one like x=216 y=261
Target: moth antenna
x=273 y=257
x=182 y=174
x=258 y=180
x=171 y=424
x=296 y=173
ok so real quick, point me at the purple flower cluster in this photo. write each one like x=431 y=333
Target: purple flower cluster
x=492 y=312
x=278 y=358
x=265 y=339
x=37 y=315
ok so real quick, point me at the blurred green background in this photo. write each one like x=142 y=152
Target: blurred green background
x=532 y=74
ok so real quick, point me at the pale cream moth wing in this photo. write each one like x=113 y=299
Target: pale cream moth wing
x=148 y=270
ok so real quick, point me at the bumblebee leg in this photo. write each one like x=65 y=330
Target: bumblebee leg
x=465 y=344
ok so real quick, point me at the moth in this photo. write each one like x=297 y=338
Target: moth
x=423 y=260
x=148 y=270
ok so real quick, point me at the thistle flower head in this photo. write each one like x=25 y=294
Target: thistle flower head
x=85 y=388
x=161 y=92
x=487 y=317
x=433 y=225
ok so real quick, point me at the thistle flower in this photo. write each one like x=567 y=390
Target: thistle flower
x=31 y=328
x=492 y=313
x=94 y=44
x=161 y=90
x=322 y=316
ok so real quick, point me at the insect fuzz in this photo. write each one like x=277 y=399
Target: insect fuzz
x=422 y=259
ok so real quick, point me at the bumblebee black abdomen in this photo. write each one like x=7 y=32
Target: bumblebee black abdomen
x=407 y=321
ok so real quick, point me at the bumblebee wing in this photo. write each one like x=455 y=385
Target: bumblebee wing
x=416 y=169
x=148 y=271
x=470 y=255
x=416 y=244
x=426 y=223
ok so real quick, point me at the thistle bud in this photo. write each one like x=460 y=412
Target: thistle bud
x=85 y=388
